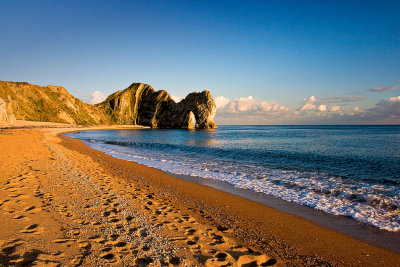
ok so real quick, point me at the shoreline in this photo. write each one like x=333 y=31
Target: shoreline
x=289 y=231
x=340 y=223
x=63 y=202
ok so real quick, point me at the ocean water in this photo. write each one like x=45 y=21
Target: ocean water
x=343 y=170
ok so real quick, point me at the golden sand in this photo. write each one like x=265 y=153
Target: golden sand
x=62 y=203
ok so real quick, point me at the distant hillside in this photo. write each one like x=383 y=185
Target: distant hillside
x=138 y=104
x=24 y=101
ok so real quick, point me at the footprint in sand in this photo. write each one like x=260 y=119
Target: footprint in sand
x=119 y=244
x=84 y=244
x=67 y=241
x=7 y=248
x=174 y=261
x=32 y=229
x=8 y=210
x=113 y=237
x=17 y=196
x=81 y=221
x=20 y=217
x=129 y=218
x=77 y=261
x=178 y=238
x=250 y=260
x=143 y=261
x=107 y=256
x=10 y=257
x=75 y=232
x=190 y=231
x=31 y=209
x=132 y=230
x=113 y=219
x=217 y=239
x=4 y=201
x=100 y=240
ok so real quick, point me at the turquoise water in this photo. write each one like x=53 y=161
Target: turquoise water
x=343 y=170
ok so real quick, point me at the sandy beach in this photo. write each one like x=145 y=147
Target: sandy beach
x=63 y=203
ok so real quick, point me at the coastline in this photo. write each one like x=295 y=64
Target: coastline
x=250 y=221
x=342 y=224
x=279 y=237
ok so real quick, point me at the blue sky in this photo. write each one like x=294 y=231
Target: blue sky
x=268 y=62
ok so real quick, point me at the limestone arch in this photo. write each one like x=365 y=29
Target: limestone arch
x=191 y=120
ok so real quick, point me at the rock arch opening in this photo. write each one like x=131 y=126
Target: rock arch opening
x=191 y=123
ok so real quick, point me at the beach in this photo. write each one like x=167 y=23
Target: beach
x=63 y=203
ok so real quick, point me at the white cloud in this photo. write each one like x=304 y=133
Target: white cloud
x=244 y=103
x=176 y=98
x=249 y=110
x=308 y=104
x=247 y=105
x=384 y=112
x=322 y=108
x=341 y=99
x=356 y=111
x=308 y=107
x=221 y=102
x=335 y=109
x=272 y=106
x=394 y=99
x=382 y=89
x=97 y=97
x=311 y=104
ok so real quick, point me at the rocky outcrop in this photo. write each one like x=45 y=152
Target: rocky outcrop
x=141 y=104
x=197 y=110
x=6 y=113
x=135 y=105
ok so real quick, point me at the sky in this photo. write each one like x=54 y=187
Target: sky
x=265 y=62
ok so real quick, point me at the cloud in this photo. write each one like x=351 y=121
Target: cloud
x=247 y=105
x=334 y=109
x=311 y=106
x=394 y=99
x=308 y=104
x=176 y=98
x=385 y=111
x=97 y=97
x=249 y=110
x=383 y=89
x=341 y=99
x=221 y=102
x=322 y=108
x=244 y=103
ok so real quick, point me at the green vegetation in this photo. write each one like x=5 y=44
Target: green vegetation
x=50 y=104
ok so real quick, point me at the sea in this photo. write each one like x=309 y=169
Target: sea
x=352 y=171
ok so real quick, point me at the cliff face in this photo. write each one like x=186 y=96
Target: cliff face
x=141 y=104
x=197 y=109
x=24 y=101
x=138 y=104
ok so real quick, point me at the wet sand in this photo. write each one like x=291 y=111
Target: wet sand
x=62 y=202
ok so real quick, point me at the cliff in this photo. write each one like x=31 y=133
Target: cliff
x=141 y=104
x=138 y=104
x=24 y=101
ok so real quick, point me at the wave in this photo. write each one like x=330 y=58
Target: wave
x=370 y=201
